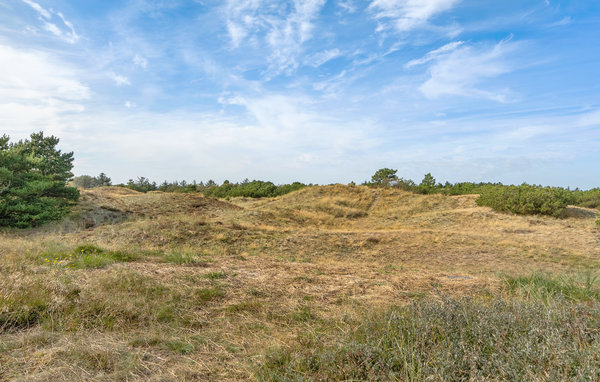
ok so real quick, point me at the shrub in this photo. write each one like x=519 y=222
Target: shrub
x=526 y=199
x=589 y=198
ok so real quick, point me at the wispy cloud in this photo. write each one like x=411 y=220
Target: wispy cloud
x=406 y=15
x=140 y=61
x=320 y=58
x=347 y=5
x=434 y=54
x=285 y=28
x=459 y=69
x=46 y=16
x=119 y=80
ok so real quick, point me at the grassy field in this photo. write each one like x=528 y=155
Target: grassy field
x=325 y=283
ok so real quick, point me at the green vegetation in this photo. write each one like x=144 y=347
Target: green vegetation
x=451 y=340
x=33 y=177
x=526 y=199
x=87 y=181
x=588 y=198
x=249 y=189
x=384 y=177
x=86 y=256
x=545 y=287
x=253 y=189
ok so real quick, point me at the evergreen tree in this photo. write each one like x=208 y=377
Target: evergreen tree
x=33 y=177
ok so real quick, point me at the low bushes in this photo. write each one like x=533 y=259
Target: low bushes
x=526 y=199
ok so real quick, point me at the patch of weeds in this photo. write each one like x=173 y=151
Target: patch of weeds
x=24 y=306
x=302 y=314
x=179 y=346
x=86 y=256
x=545 y=287
x=215 y=275
x=388 y=269
x=203 y=295
x=181 y=258
x=304 y=278
x=252 y=306
x=256 y=292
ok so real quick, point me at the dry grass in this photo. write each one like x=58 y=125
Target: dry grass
x=213 y=283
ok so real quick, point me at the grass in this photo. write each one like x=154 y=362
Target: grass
x=546 y=287
x=451 y=340
x=86 y=256
x=191 y=288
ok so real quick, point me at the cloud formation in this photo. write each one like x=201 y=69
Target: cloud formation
x=407 y=15
x=46 y=16
x=458 y=70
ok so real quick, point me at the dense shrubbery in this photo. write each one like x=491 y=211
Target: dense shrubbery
x=87 y=181
x=589 y=198
x=251 y=189
x=33 y=177
x=524 y=199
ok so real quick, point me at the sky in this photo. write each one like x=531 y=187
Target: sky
x=320 y=91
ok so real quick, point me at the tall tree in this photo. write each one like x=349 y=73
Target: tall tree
x=33 y=176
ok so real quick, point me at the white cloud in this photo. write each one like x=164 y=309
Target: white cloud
x=320 y=58
x=129 y=104
x=458 y=69
x=41 y=10
x=347 y=5
x=284 y=27
x=119 y=79
x=46 y=16
x=140 y=61
x=407 y=15
x=434 y=54
x=36 y=90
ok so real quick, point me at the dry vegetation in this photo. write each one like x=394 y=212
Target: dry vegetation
x=163 y=286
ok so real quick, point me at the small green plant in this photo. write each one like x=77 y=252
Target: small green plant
x=86 y=256
x=598 y=220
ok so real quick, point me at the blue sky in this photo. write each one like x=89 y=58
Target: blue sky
x=320 y=91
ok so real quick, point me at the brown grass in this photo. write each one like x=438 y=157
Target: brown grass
x=216 y=283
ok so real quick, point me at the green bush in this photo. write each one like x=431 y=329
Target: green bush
x=526 y=199
x=253 y=189
x=33 y=177
x=588 y=198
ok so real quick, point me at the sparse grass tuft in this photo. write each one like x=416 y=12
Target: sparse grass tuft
x=215 y=275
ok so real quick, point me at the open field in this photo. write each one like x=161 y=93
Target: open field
x=166 y=286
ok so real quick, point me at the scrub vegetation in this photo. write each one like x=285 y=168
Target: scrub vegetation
x=338 y=282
